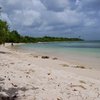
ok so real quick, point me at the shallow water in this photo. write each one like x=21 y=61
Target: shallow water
x=85 y=52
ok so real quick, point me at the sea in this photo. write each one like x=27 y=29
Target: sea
x=85 y=53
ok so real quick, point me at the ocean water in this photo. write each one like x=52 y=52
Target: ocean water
x=84 y=52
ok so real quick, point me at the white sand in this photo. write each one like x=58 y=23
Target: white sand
x=33 y=78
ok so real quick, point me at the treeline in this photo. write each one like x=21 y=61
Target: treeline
x=6 y=35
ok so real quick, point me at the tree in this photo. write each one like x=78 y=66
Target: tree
x=4 y=30
x=14 y=37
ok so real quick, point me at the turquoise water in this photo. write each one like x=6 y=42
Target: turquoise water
x=86 y=52
x=85 y=48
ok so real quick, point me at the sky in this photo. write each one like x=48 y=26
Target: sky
x=63 y=18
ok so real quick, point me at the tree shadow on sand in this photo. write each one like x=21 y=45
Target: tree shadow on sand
x=11 y=93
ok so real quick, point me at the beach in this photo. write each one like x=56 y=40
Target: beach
x=29 y=76
x=85 y=53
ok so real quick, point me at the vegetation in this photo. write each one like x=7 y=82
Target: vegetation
x=3 y=31
x=14 y=37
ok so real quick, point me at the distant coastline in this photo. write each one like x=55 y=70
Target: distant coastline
x=8 y=36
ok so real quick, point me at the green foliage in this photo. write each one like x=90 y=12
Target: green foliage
x=14 y=37
x=3 y=31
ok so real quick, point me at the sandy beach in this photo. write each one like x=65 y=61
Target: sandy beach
x=26 y=76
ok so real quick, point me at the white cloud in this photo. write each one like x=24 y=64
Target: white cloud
x=26 y=18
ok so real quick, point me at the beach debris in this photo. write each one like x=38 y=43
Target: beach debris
x=58 y=99
x=9 y=79
x=30 y=71
x=23 y=89
x=29 y=64
x=81 y=81
x=2 y=52
x=45 y=57
x=65 y=65
x=43 y=89
x=14 y=85
x=49 y=73
x=27 y=72
x=74 y=90
x=34 y=88
x=81 y=86
x=55 y=58
x=12 y=63
x=78 y=66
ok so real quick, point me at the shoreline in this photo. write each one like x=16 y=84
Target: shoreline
x=71 y=64
x=45 y=78
x=68 y=64
x=72 y=58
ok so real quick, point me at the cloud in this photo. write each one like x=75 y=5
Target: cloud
x=88 y=5
x=55 y=5
x=53 y=17
x=4 y=16
x=26 y=17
